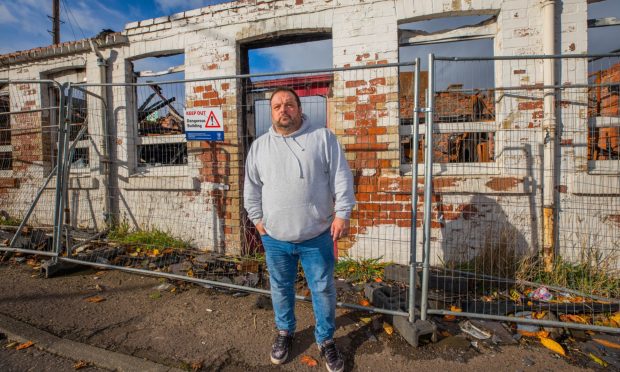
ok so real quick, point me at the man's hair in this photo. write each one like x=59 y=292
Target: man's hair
x=285 y=89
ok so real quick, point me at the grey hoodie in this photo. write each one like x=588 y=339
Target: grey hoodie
x=295 y=183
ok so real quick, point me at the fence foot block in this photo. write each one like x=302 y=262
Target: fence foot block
x=51 y=268
x=413 y=331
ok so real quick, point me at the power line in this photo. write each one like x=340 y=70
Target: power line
x=69 y=14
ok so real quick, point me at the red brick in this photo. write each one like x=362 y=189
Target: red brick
x=364 y=91
x=354 y=83
x=382 y=197
x=208 y=95
x=378 y=98
x=377 y=81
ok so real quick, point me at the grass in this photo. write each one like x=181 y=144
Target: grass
x=360 y=270
x=146 y=238
x=591 y=273
x=583 y=276
x=9 y=221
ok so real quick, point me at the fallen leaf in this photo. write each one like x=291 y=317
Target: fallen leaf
x=95 y=299
x=309 y=361
x=12 y=345
x=538 y=315
x=366 y=320
x=80 y=364
x=606 y=343
x=574 y=318
x=99 y=273
x=197 y=366
x=552 y=345
x=25 y=345
x=364 y=302
x=456 y=309
x=155 y=295
x=598 y=360
x=388 y=328
x=538 y=334
x=615 y=318
x=378 y=280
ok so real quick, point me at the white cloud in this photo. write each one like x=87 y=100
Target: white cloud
x=303 y=56
x=6 y=16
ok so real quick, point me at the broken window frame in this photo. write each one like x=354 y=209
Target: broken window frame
x=160 y=139
x=6 y=149
x=598 y=122
x=82 y=146
x=483 y=30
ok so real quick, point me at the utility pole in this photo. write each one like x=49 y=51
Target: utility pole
x=56 y=21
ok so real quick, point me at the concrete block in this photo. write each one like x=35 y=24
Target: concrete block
x=413 y=331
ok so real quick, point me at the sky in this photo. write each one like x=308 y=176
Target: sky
x=24 y=24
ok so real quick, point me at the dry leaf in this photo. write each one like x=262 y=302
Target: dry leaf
x=552 y=345
x=364 y=302
x=309 y=361
x=95 y=299
x=388 y=328
x=598 y=360
x=80 y=364
x=25 y=345
x=366 y=320
x=615 y=319
x=456 y=309
x=99 y=273
x=11 y=345
x=538 y=334
x=378 y=280
x=197 y=366
x=574 y=318
x=606 y=343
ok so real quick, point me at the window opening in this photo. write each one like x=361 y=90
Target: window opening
x=159 y=111
x=464 y=91
x=604 y=81
x=6 y=151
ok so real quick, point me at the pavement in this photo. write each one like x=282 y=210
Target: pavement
x=22 y=332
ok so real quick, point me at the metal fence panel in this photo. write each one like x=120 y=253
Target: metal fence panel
x=30 y=112
x=526 y=189
x=149 y=200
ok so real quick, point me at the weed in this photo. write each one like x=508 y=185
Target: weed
x=361 y=269
x=150 y=239
x=7 y=220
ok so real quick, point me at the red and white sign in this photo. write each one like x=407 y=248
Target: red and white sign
x=204 y=124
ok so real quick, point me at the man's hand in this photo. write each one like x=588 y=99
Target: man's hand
x=340 y=228
x=261 y=228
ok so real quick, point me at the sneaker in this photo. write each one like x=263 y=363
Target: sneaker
x=333 y=358
x=281 y=346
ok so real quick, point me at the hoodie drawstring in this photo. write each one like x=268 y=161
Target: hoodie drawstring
x=301 y=172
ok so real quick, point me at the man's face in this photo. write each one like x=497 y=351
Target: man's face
x=285 y=113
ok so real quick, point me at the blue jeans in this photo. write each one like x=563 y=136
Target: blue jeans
x=317 y=260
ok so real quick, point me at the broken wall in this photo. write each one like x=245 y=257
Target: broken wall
x=363 y=111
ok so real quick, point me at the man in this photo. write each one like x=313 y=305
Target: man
x=299 y=194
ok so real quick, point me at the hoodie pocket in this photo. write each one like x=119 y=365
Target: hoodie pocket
x=292 y=223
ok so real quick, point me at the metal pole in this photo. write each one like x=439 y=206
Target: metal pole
x=414 y=191
x=58 y=208
x=67 y=157
x=56 y=22
x=428 y=184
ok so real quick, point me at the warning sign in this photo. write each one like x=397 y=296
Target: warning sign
x=204 y=124
x=212 y=121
